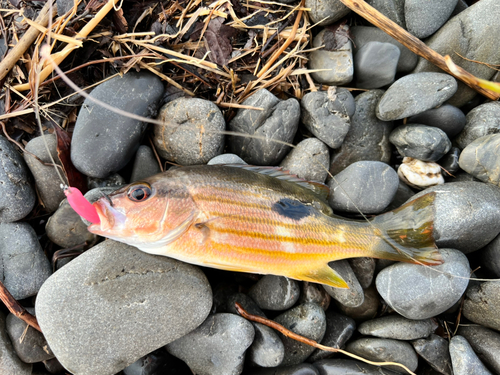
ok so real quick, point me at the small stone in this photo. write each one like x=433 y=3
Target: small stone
x=307 y=320
x=267 y=349
x=315 y=293
x=103 y=141
x=275 y=292
x=449 y=162
x=245 y=301
x=485 y=342
x=392 y=9
x=460 y=7
x=327 y=115
x=463 y=358
x=326 y=11
x=423 y=20
x=153 y=363
x=367 y=310
x=349 y=367
x=370 y=185
x=308 y=160
x=462 y=176
x=352 y=297
x=385 y=350
x=415 y=93
x=419 y=174
x=481 y=121
x=419 y=292
x=403 y=194
x=217 y=346
x=364 y=269
x=10 y=363
x=375 y=65
x=64 y=6
x=278 y=121
x=226 y=159
x=489 y=257
x=434 y=350
x=145 y=164
x=300 y=369
x=482 y=304
x=448 y=118
x=481 y=158
x=113 y=179
x=192 y=131
x=17 y=197
x=398 y=328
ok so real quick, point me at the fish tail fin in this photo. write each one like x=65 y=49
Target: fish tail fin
x=405 y=234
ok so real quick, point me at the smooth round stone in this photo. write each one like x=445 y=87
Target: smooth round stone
x=267 y=349
x=275 y=292
x=145 y=164
x=398 y=328
x=370 y=185
x=367 y=310
x=66 y=229
x=485 y=342
x=226 y=159
x=460 y=7
x=448 y=118
x=217 y=346
x=420 y=174
x=403 y=194
x=23 y=264
x=421 y=142
x=480 y=121
x=113 y=179
x=385 y=350
x=467 y=214
x=349 y=367
x=46 y=177
x=449 y=162
x=191 y=133
x=153 y=363
x=419 y=292
x=424 y=19
x=312 y=292
x=367 y=138
x=489 y=257
x=482 y=304
x=307 y=320
x=119 y=304
x=481 y=159
x=326 y=115
x=326 y=11
x=17 y=197
x=364 y=269
x=246 y=302
x=375 y=65
x=392 y=9
x=415 y=93
x=300 y=369
x=308 y=160
x=29 y=344
x=103 y=141
x=435 y=350
x=10 y=363
x=278 y=121
x=352 y=297
x=463 y=358
x=473 y=35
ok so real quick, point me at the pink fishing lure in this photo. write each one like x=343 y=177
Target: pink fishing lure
x=82 y=206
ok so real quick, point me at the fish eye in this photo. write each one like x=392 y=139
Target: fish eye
x=139 y=193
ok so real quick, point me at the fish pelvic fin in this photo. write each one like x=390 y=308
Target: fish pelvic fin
x=323 y=275
x=406 y=233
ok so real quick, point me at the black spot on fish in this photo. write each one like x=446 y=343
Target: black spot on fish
x=291 y=208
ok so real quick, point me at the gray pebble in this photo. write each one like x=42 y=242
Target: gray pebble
x=10 y=363
x=349 y=367
x=23 y=264
x=421 y=142
x=308 y=160
x=278 y=121
x=482 y=304
x=368 y=137
x=364 y=270
x=462 y=176
x=489 y=257
x=267 y=349
x=104 y=141
x=119 y=304
x=415 y=93
x=461 y=6
x=352 y=297
x=485 y=342
x=448 y=118
x=392 y=9
x=307 y=320
x=463 y=358
x=370 y=185
x=435 y=350
x=153 y=363
x=398 y=328
x=480 y=121
x=17 y=197
x=326 y=11
x=449 y=162
x=64 y=6
x=375 y=65
x=312 y=292
x=275 y=292
x=385 y=350
x=300 y=369
x=145 y=164
x=191 y=133
x=403 y=195
x=245 y=301
x=419 y=292
x=327 y=115
x=226 y=159
x=481 y=159
x=367 y=310
x=46 y=178
x=216 y=347
x=424 y=19
x=113 y=179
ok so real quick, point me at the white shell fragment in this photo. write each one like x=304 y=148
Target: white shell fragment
x=420 y=174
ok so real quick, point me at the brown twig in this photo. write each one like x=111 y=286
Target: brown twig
x=414 y=44
x=16 y=309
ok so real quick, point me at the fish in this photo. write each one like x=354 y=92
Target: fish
x=259 y=220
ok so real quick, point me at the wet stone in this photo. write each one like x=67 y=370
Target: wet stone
x=418 y=292
x=481 y=159
x=415 y=93
x=312 y=292
x=367 y=310
x=275 y=292
x=485 y=342
x=424 y=19
x=434 y=349
x=278 y=121
x=352 y=297
x=398 y=328
x=307 y=320
x=308 y=160
x=17 y=197
x=490 y=257
x=482 y=304
x=349 y=367
x=448 y=118
x=267 y=349
x=326 y=11
x=217 y=346
x=103 y=141
x=10 y=363
x=145 y=164
x=113 y=179
x=464 y=360
x=226 y=159
x=300 y=369
x=364 y=269
x=367 y=138
x=403 y=194
x=449 y=162
x=375 y=65
x=480 y=121
x=371 y=185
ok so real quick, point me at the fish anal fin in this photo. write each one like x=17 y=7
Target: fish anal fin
x=324 y=275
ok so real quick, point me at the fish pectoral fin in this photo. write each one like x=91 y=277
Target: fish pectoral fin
x=324 y=275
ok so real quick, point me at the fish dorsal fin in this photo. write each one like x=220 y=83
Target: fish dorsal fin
x=278 y=172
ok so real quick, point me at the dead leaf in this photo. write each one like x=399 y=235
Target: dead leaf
x=120 y=22
x=218 y=38
x=336 y=36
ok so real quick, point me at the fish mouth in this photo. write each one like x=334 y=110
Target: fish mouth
x=111 y=220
